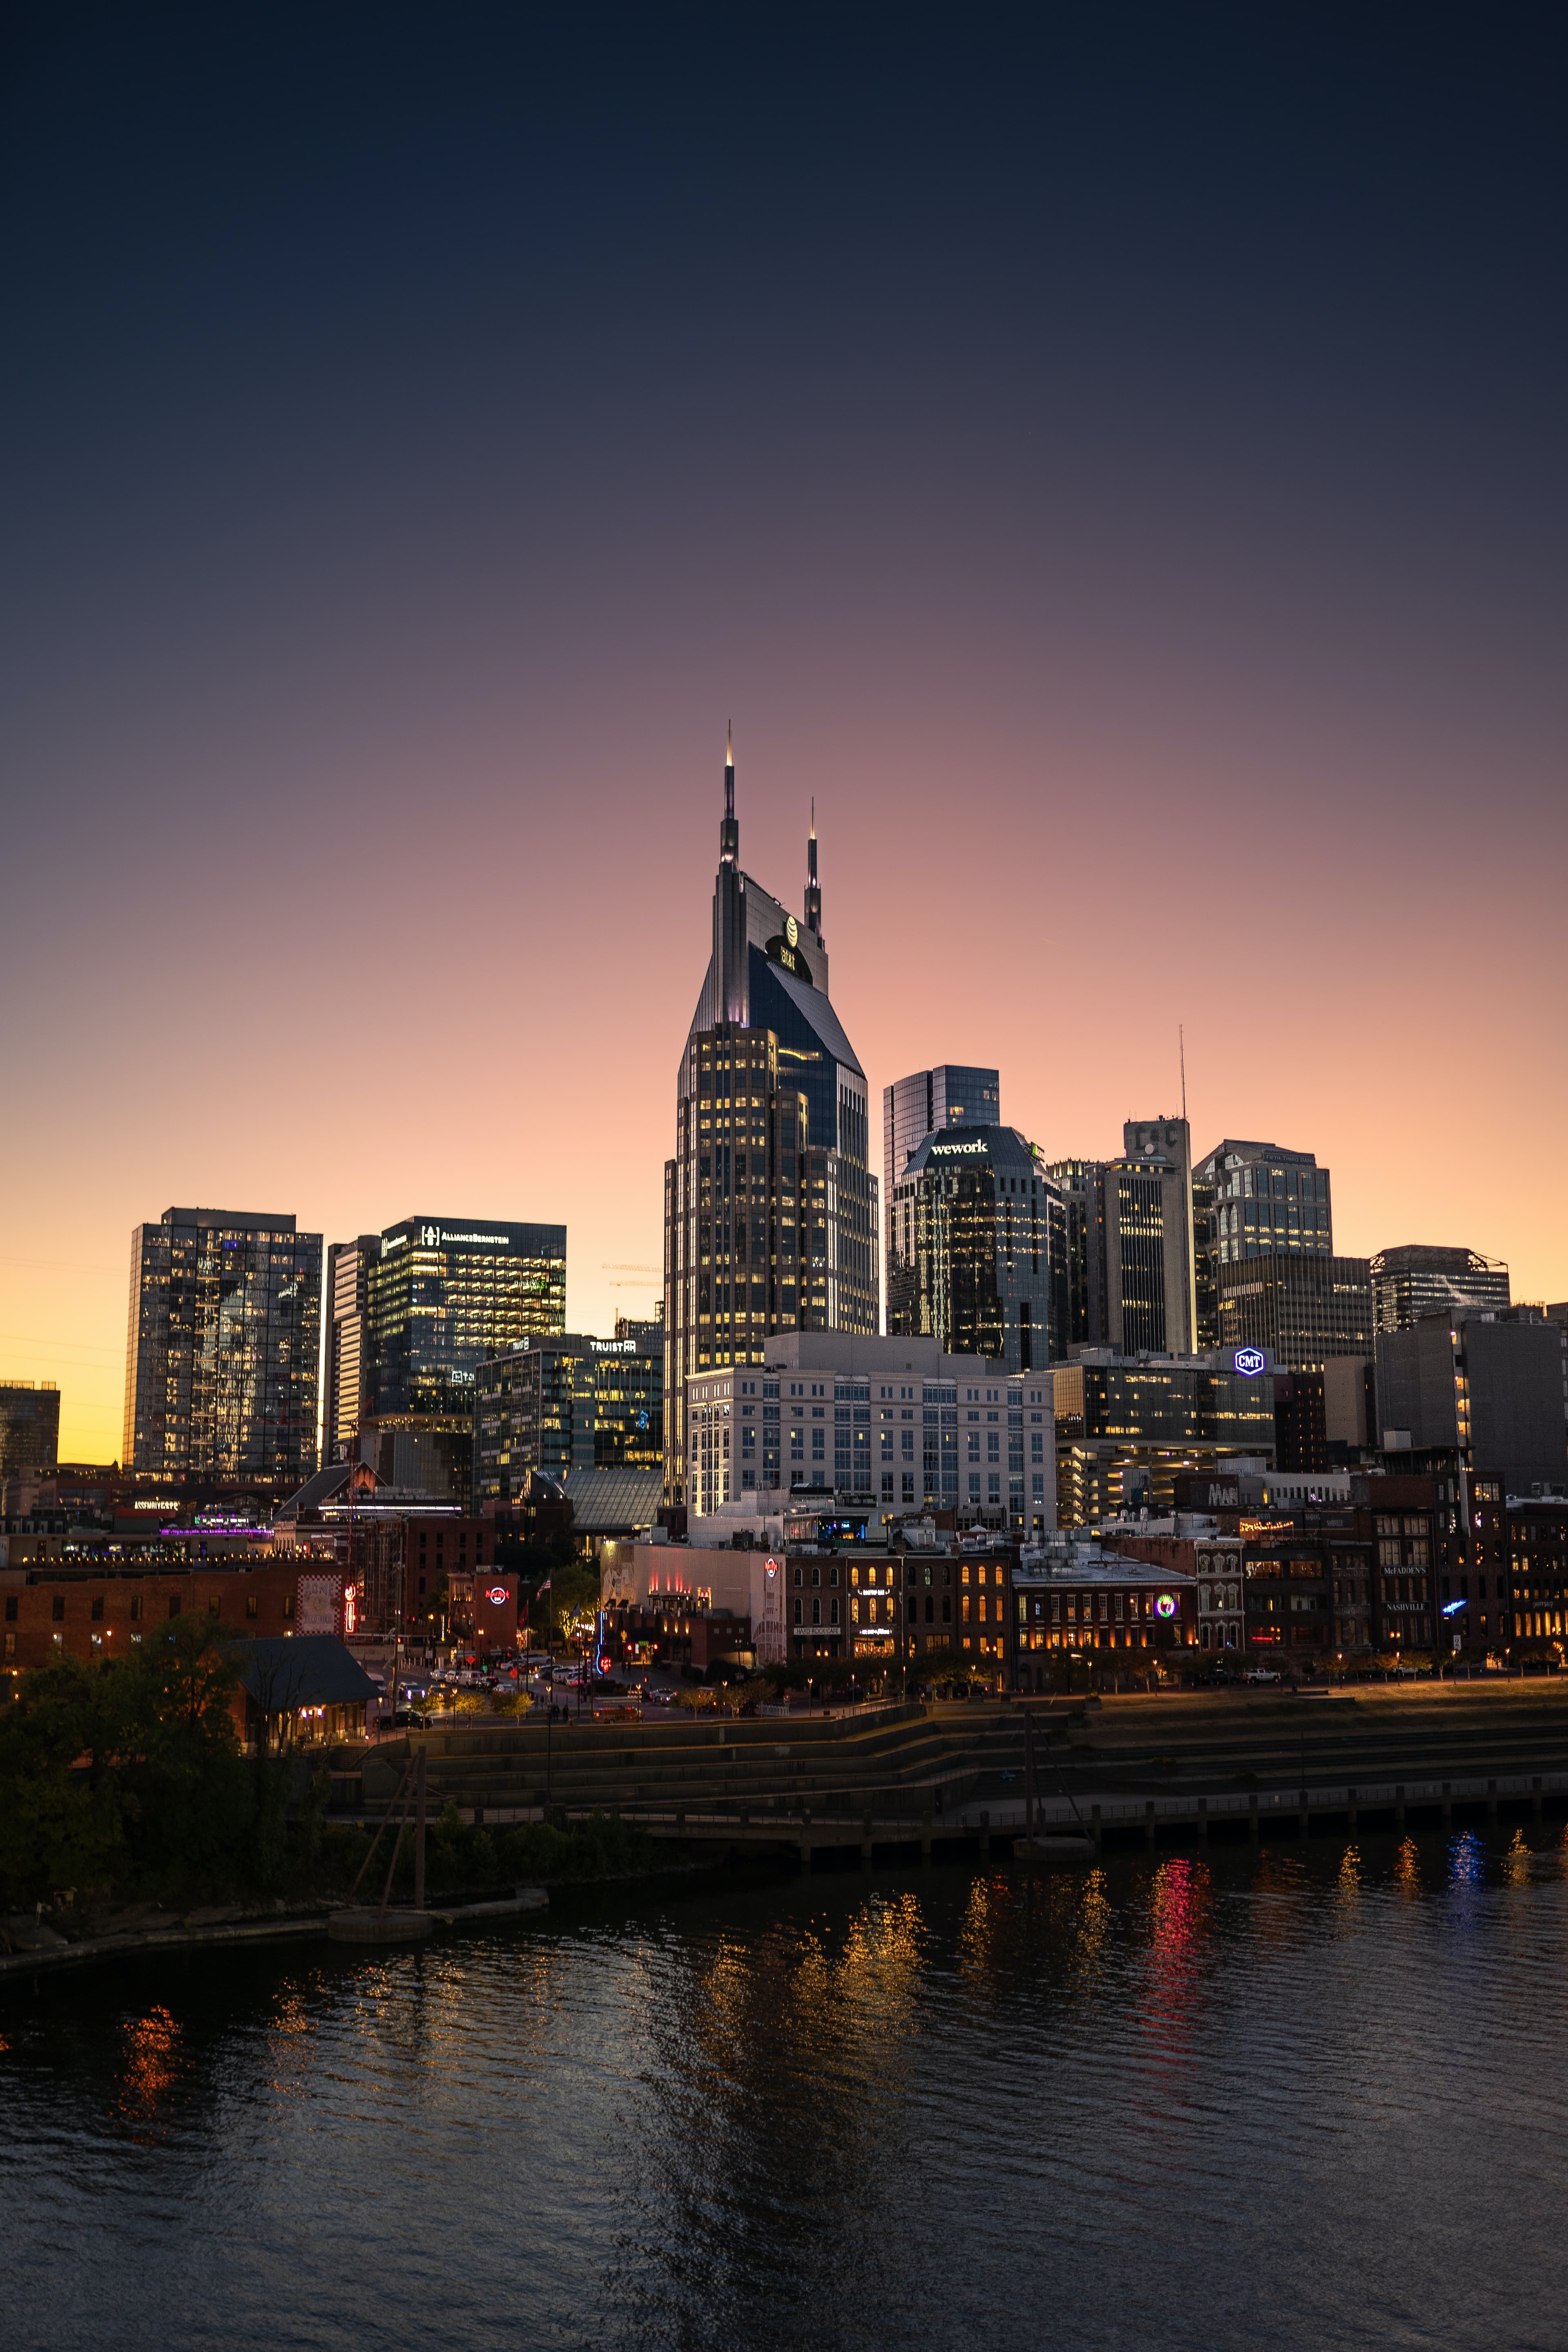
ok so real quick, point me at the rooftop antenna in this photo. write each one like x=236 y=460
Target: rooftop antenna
x=1182 y=1036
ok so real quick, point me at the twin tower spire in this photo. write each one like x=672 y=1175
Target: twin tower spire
x=729 y=839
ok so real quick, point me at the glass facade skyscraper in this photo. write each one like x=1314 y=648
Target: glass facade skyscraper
x=444 y=1295
x=221 y=1353
x=770 y=1207
x=954 y=1094
x=567 y=1403
x=977 y=1251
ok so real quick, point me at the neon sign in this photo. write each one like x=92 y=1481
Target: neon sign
x=498 y=1596
x=1249 y=1363
x=1167 y=1605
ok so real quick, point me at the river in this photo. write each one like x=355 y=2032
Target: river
x=1308 y=2097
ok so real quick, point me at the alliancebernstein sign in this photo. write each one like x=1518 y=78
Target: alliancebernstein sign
x=442 y=1237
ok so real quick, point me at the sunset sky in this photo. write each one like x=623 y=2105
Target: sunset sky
x=1119 y=475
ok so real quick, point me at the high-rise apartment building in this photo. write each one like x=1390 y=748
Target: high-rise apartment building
x=770 y=1207
x=221 y=1369
x=1304 y=1308
x=952 y=1095
x=29 y=1427
x=977 y=1249
x=1420 y=1278
x=1254 y=1200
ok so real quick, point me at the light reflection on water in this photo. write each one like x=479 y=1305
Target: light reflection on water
x=1303 y=2097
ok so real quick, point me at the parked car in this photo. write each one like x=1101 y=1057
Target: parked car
x=1261 y=1675
x=408 y=1718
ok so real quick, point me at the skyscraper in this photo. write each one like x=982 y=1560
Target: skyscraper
x=1255 y=1200
x=1419 y=1278
x=349 y=1365
x=1130 y=1250
x=977 y=1249
x=1166 y=1144
x=952 y=1095
x=221 y=1353
x=445 y=1294
x=770 y=1207
x=1303 y=1308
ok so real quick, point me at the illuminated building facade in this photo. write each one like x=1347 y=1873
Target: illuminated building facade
x=1303 y=1307
x=443 y=1296
x=1254 y=1200
x=952 y=1095
x=892 y=1425
x=1130 y=1253
x=221 y=1370
x=770 y=1207
x=573 y=1403
x=1419 y=1279
x=350 y=1388
x=978 y=1249
x=29 y=1427
x=1128 y=1428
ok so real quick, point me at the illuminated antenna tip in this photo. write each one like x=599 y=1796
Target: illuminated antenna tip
x=729 y=744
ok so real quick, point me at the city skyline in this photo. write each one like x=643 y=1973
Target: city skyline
x=1143 y=594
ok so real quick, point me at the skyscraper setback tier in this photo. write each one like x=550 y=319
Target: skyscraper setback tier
x=770 y=1210
x=222 y=1347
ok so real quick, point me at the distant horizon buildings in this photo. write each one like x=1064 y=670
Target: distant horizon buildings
x=770 y=1205
x=222 y=1348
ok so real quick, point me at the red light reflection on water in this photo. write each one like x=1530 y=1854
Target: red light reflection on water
x=1179 y=1926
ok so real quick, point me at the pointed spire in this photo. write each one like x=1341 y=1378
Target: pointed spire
x=729 y=830
x=813 y=894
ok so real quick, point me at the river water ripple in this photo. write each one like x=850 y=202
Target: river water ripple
x=1312 y=2097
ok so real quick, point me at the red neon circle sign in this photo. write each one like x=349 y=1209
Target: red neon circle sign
x=498 y=1596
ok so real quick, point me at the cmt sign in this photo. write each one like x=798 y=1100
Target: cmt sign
x=1249 y=1363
